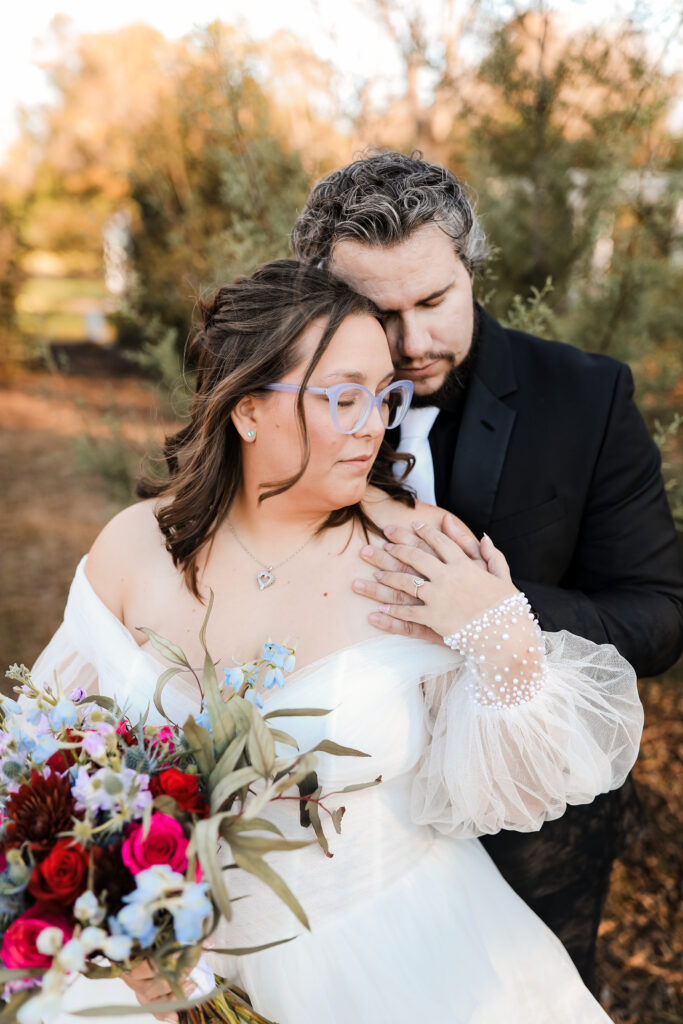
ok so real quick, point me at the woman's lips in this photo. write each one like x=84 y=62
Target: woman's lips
x=361 y=461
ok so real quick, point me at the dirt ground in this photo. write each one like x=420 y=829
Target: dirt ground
x=52 y=505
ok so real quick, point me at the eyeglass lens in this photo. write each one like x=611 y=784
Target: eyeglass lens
x=354 y=406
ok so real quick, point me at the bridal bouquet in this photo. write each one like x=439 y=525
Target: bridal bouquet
x=110 y=829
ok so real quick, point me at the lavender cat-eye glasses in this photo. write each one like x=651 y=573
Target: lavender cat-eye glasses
x=351 y=405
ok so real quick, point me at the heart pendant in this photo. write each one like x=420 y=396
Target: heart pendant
x=264 y=578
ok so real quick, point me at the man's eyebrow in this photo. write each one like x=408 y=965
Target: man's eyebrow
x=427 y=298
x=435 y=295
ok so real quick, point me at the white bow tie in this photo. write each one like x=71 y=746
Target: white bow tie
x=415 y=439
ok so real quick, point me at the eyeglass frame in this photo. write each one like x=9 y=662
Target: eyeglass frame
x=333 y=392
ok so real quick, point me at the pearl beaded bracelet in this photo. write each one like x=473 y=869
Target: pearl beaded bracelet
x=504 y=677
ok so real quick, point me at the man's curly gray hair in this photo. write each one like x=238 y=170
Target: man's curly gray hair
x=380 y=200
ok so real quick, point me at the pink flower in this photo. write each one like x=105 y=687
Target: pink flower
x=19 y=941
x=165 y=844
x=165 y=736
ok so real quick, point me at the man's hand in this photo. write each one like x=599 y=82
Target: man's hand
x=462 y=577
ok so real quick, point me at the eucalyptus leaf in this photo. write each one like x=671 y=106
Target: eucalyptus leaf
x=170 y=651
x=201 y=745
x=330 y=747
x=283 y=737
x=146 y=820
x=106 y=703
x=297 y=713
x=258 y=867
x=17 y=973
x=362 y=785
x=164 y=678
x=336 y=819
x=246 y=950
x=252 y=825
x=206 y=837
x=314 y=816
x=262 y=844
x=228 y=759
x=261 y=746
x=230 y=784
x=219 y=716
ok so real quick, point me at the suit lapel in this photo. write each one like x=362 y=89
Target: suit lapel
x=485 y=428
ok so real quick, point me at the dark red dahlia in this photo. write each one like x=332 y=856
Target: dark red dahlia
x=111 y=874
x=39 y=811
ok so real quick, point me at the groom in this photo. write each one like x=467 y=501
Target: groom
x=536 y=443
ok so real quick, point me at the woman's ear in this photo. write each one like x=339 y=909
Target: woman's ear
x=245 y=418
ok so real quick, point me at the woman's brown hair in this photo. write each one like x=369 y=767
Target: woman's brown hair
x=247 y=339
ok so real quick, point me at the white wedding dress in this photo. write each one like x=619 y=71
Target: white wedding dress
x=410 y=920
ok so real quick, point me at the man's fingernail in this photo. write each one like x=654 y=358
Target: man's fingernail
x=359 y=585
x=367 y=551
x=417 y=525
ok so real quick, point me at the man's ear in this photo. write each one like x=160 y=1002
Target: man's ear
x=245 y=417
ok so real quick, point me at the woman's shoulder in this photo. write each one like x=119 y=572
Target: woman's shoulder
x=129 y=545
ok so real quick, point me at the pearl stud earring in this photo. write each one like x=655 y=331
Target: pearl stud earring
x=251 y=434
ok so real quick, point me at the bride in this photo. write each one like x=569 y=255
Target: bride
x=276 y=487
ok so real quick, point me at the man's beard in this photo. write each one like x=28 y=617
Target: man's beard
x=457 y=377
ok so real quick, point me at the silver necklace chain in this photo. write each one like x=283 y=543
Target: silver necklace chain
x=265 y=577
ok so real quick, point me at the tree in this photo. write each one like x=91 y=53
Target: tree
x=214 y=190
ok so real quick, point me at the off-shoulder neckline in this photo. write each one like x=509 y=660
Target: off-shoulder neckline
x=81 y=578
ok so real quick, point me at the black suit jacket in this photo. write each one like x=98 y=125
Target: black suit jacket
x=553 y=461
x=549 y=455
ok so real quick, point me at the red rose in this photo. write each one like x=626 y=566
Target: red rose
x=165 y=844
x=19 y=941
x=183 y=788
x=62 y=876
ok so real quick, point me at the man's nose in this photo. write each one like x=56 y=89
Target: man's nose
x=414 y=339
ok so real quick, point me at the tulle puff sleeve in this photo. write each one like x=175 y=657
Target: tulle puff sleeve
x=92 y=649
x=495 y=763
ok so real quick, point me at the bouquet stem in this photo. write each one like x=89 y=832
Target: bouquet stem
x=227 y=1008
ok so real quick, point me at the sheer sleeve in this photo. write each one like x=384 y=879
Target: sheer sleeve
x=93 y=649
x=498 y=759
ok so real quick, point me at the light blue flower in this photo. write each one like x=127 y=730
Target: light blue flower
x=189 y=917
x=138 y=923
x=203 y=718
x=254 y=698
x=195 y=899
x=234 y=677
x=44 y=749
x=63 y=713
x=274 y=676
x=188 y=928
x=153 y=883
x=117 y=947
x=33 y=713
x=290 y=662
x=9 y=706
x=87 y=909
x=275 y=654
